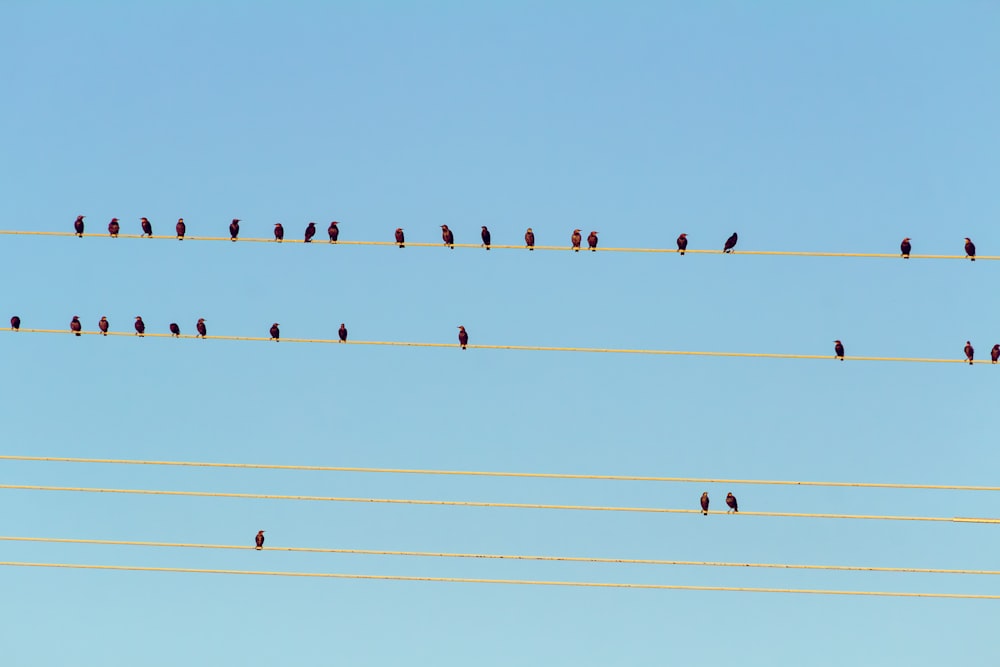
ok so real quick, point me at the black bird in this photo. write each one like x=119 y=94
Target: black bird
x=75 y=325
x=234 y=229
x=140 y=326
x=279 y=232
x=448 y=236
x=704 y=503
x=114 y=227
x=175 y=330
x=485 y=234
x=731 y=501
x=969 y=352
x=15 y=323
x=529 y=239
x=181 y=229
x=463 y=337
x=995 y=353
x=838 y=349
x=905 y=247
x=970 y=249
x=275 y=333
x=78 y=226
x=201 y=328
x=592 y=241
x=730 y=243
x=310 y=232
x=333 y=231
x=575 y=240
x=147 y=228
x=400 y=237
x=342 y=332
x=682 y=243
x=259 y=540
x=103 y=326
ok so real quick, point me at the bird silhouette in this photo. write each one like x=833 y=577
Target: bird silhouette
x=201 y=328
x=275 y=333
x=333 y=231
x=400 y=237
x=575 y=239
x=147 y=227
x=140 y=326
x=103 y=326
x=704 y=503
x=310 y=232
x=234 y=229
x=175 y=330
x=731 y=501
x=969 y=352
x=448 y=236
x=970 y=249
x=682 y=243
x=905 y=247
x=995 y=354
x=181 y=229
x=529 y=239
x=259 y=540
x=78 y=226
x=15 y=323
x=75 y=325
x=838 y=349
x=730 y=243
x=463 y=337
x=279 y=232
x=592 y=241
x=114 y=228
x=485 y=235
x=342 y=333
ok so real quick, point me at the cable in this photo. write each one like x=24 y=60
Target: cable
x=522 y=348
x=473 y=503
x=484 y=473
x=476 y=246
x=521 y=582
x=443 y=554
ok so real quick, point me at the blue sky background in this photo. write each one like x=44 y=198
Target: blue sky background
x=802 y=127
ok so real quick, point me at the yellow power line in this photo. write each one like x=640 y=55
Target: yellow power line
x=475 y=503
x=480 y=556
x=520 y=348
x=498 y=246
x=521 y=582
x=486 y=473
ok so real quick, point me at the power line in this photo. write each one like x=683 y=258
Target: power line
x=520 y=582
x=475 y=503
x=523 y=557
x=487 y=473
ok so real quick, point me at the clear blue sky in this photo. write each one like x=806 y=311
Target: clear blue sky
x=802 y=127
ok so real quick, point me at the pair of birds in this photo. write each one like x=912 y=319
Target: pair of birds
x=970 y=248
x=730 y=501
x=970 y=353
x=727 y=247
x=576 y=239
x=276 y=332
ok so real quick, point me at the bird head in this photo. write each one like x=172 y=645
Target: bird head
x=906 y=239
x=114 y=219
x=201 y=319
x=143 y=220
x=529 y=229
x=180 y=219
x=484 y=228
x=138 y=318
x=836 y=341
x=236 y=219
x=968 y=240
x=399 y=229
x=594 y=233
x=576 y=231
x=462 y=328
x=683 y=236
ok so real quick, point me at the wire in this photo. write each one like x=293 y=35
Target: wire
x=477 y=246
x=521 y=348
x=474 y=503
x=444 y=554
x=484 y=473
x=521 y=582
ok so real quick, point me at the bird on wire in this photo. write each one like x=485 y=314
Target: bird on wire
x=234 y=229
x=592 y=241
x=275 y=332
x=140 y=326
x=342 y=333
x=970 y=352
x=103 y=325
x=180 y=228
x=78 y=226
x=529 y=239
x=970 y=249
x=333 y=231
x=175 y=330
x=905 y=247
x=259 y=540
x=730 y=243
x=838 y=349
x=485 y=235
x=448 y=236
x=15 y=323
x=201 y=328
x=575 y=239
x=400 y=237
x=995 y=354
x=310 y=232
x=682 y=243
x=279 y=232
x=731 y=501
x=147 y=227
x=463 y=337
x=114 y=228
x=75 y=325
x=704 y=503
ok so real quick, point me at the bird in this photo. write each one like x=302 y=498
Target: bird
x=234 y=229
x=103 y=325
x=114 y=228
x=342 y=332
x=400 y=237
x=275 y=333
x=279 y=232
x=682 y=243
x=181 y=228
x=969 y=352
x=175 y=330
x=463 y=337
x=730 y=243
x=905 y=247
x=704 y=503
x=731 y=501
x=333 y=231
x=310 y=232
x=15 y=323
x=448 y=236
x=592 y=241
x=575 y=240
x=78 y=226
x=259 y=540
x=201 y=328
x=529 y=239
x=995 y=353
x=485 y=235
x=970 y=249
x=147 y=228
x=140 y=326
x=75 y=325
x=838 y=349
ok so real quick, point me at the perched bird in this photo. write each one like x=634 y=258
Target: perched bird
x=575 y=240
x=731 y=501
x=310 y=232
x=333 y=231
x=140 y=326
x=147 y=228
x=485 y=235
x=259 y=540
x=181 y=229
x=234 y=229
x=275 y=333
x=995 y=353
x=175 y=330
x=75 y=325
x=114 y=228
x=529 y=239
x=448 y=236
x=969 y=352
x=78 y=226
x=463 y=337
x=400 y=237
x=704 y=503
x=730 y=243
x=15 y=323
x=682 y=243
x=905 y=247
x=103 y=326
x=342 y=332
x=592 y=241
x=279 y=232
x=838 y=349
x=201 y=328
x=970 y=249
